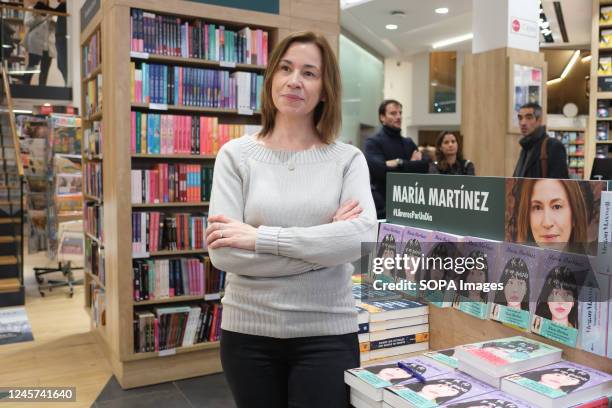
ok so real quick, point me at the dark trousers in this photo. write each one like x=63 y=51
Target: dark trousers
x=62 y=56
x=45 y=64
x=305 y=372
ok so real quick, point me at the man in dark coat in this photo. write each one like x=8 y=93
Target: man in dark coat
x=530 y=162
x=388 y=151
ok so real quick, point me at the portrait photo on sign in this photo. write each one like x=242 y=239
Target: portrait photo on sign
x=555 y=214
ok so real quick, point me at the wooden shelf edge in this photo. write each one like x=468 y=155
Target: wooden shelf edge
x=173 y=156
x=95 y=279
x=92 y=198
x=143 y=56
x=170 y=253
x=185 y=108
x=210 y=345
x=174 y=299
x=170 y=205
x=93 y=117
x=92 y=74
x=95 y=239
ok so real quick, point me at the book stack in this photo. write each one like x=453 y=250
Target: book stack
x=167 y=278
x=176 y=37
x=180 y=134
x=166 y=328
x=208 y=88
x=94 y=260
x=92 y=140
x=92 y=179
x=93 y=220
x=396 y=326
x=367 y=383
x=155 y=231
x=170 y=183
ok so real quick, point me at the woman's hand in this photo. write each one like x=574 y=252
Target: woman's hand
x=347 y=211
x=223 y=231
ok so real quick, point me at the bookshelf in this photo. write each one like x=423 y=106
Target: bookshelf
x=116 y=157
x=599 y=137
x=573 y=138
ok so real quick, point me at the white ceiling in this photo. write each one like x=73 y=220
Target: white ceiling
x=420 y=27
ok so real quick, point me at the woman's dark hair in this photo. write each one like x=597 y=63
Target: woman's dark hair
x=440 y=251
x=490 y=403
x=582 y=376
x=476 y=254
x=440 y=157
x=560 y=277
x=461 y=386
x=413 y=249
x=378 y=368
x=514 y=345
x=388 y=243
x=515 y=268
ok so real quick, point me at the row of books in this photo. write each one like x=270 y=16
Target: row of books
x=94 y=260
x=98 y=304
x=155 y=231
x=92 y=179
x=93 y=96
x=168 y=278
x=501 y=373
x=602 y=131
x=602 y=152
x=166 y=328
x=576 y=173
x=92 y=54
x=532 y=272
x=154 y=133
x=171 y=183
x=93 y=139
x=209 y=88
x=603 y=108
x=388 y=325
x=168 y=35
x=93 y=220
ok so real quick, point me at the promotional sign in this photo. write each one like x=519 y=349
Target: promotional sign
x=463 y=205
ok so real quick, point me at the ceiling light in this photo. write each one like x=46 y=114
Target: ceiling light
x=545 y=24
x=29 y=112
x=46 y=104
x=453 y=40
x=587 y=58
x=570 y=64
x=391 y=26
x=553 y=81
x=6 y=46
x=441 y=10
x=24 y=72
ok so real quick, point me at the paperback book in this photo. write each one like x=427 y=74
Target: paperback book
x=444 y=246
x=434 y=392
x=513 y=305
x=389 y=237
x=476 y=302
x=415 y=243
x=495 y=399
x=446 y=356
x=562 y=384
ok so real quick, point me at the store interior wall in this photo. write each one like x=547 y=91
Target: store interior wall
x=409 y=83
x=573 y=88
x=74 y=30
x=362 y=91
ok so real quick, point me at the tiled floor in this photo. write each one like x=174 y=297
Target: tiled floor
x=210 y=391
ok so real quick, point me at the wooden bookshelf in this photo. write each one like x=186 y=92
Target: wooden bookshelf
x=174 y=156
x=195 y=62
x=156 y=108
x=595 y=95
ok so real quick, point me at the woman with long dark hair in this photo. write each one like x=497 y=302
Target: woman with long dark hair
x=449 y=157
x=558 y=299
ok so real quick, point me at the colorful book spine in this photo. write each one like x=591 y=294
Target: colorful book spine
x=93 y=140
x=170 y=183
x=92 y=55
x=93 y=219
x=92 y=179
x=155 y=231
x=173 y=36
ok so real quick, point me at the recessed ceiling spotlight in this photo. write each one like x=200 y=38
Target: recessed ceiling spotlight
x=391 y=26
x=441 y=10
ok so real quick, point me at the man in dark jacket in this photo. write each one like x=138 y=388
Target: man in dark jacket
x=388 y=151
x=531 y=162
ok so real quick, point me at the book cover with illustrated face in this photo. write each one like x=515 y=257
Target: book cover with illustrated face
x=560 y=379
x=557 y=288
x=513 y=305
x=389 y=237
x=415 y=244
x=473 y=301
x=502 y=352
x=446 y=356
x=445 y=388
x=495 y=399
x=444 y=247
x=387 y=374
